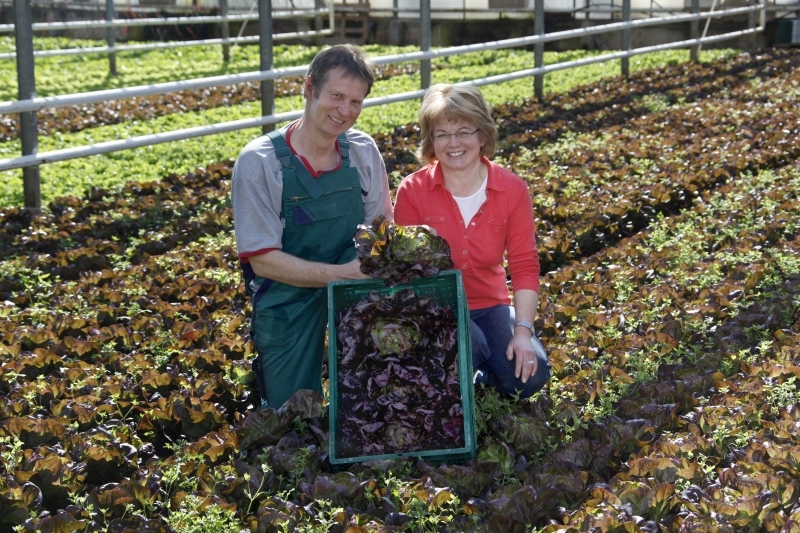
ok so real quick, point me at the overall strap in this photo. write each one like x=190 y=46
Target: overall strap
x=344 y=148
x=284 y=153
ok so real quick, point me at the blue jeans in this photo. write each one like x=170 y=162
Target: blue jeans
x=491 y=330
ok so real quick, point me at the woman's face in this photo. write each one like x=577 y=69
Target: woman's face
x=457 y=145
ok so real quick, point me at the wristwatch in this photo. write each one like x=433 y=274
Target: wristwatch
x=524 y=324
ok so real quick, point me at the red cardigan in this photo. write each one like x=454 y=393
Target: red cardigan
x=504 y=223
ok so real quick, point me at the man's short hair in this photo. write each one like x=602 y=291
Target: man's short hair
x=451 y=103
x=347 y=57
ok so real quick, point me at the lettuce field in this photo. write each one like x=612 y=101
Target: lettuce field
x=668 y=223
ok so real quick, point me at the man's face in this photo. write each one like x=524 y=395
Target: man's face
x=338 y=105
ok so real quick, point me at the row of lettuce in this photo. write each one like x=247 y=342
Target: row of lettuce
x=673 y=342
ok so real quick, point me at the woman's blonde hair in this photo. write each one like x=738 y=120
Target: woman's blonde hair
x=449 y=103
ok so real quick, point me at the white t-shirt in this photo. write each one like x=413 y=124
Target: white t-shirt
x=469 y=205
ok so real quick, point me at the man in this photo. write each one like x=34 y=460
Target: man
x=298 y=195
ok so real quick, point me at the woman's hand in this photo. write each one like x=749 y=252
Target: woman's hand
x=525 y=303
x=429 y=228
x=521 y=349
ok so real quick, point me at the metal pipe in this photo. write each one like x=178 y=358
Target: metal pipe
x=99 y=7
x=266 y=59
x=556 y=36
x=8 y=28
x=146 y=140
x=625 y=62
x=253 y=7
x=66 y=100
x=425 y=42
x=526 y=10
x=317 y=21
x=161 y=21
x=164 y=88
x=779 y=7
x=332 y=19
x=708 y=22
x=565 y=65
x=694 y=32
x=226 y=31
x=538 y=50
x=111 y=38
x=165 y=46
x=26 y=80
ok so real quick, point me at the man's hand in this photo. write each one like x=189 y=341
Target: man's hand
x=353 y=270
x=521 y=349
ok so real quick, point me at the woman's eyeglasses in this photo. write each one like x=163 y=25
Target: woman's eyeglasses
x=460 y=135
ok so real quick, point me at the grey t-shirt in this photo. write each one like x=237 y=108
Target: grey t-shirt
x=257 y=185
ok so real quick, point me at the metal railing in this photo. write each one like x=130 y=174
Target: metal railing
x=99 y=6
x=224 y=127
x=169 y=21
x=168 y=45
x=27 y=106
x=614 y=8
x=36 y=104
x=160 y=21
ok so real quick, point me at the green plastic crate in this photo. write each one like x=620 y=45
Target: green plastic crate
x=788 y=31
x=445 y=288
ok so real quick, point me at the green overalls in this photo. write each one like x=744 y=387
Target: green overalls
x=320 y=216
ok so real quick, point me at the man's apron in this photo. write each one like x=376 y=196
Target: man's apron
x=288 y=324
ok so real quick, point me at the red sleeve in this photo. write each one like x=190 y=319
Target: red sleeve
x=523 y=258
x=244 y=257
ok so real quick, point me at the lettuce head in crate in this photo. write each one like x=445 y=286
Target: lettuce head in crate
x=398 y=377
x=400 y=253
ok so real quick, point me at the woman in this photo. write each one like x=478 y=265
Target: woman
x=484 y=212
